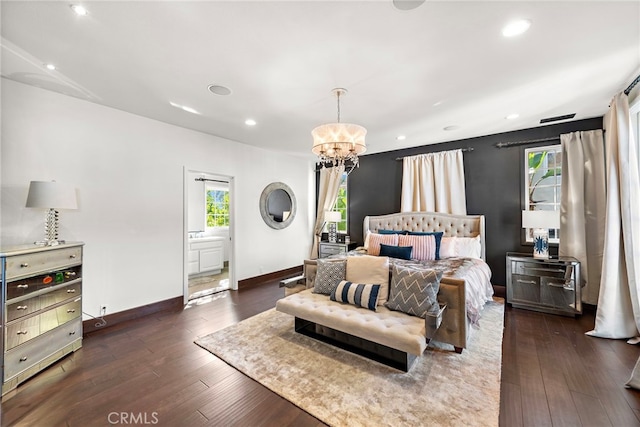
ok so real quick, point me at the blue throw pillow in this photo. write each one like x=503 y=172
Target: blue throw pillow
x=402 y=252
x=393 y=232
x=436 y=234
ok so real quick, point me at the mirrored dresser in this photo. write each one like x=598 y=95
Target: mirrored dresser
x=41 y=308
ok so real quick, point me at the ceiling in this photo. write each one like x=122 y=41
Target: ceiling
x=443 y=65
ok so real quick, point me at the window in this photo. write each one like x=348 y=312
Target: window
x=217 y=206
x=341 y=205
x=543 y=183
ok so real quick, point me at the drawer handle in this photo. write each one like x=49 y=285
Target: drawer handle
x=23 y=358
x=72 y=333
x=24 y=265
x=72 y=256
x=71 y=310
x=71 y=291
x=21 y=332
x=21 y=307
x=22 y=286
x=528 y=282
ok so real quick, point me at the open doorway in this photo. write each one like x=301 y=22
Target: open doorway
x=208 y=260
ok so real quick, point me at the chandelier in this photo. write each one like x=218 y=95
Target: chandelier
x=339 y=143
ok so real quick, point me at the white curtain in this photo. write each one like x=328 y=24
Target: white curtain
x=434 y=182
x=582 y=208
x=618 y=312
x=327 y=195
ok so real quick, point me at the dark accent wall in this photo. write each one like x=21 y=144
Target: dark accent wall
x=493 y=181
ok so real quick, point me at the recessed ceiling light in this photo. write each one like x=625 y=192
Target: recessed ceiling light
x=516 y=28
x=185 y=108
x=401 y=137
x=452 y=127
x=407 y=4
x=219 y=90
x=79 y=9
x=50 y=67
x=512 y=116
x=250 y=122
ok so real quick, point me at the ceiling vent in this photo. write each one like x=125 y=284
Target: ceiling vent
x=557 y=118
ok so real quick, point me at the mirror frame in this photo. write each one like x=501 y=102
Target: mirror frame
x=264 y=197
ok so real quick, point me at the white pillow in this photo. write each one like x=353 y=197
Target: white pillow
x=447 y=247
x=468 y=247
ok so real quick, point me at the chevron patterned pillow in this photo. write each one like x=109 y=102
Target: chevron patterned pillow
x=414 y=291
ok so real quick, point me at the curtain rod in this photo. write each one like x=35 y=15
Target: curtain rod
x=461 y=149
x=628 y=90
x=212 y=180
x=529 y=141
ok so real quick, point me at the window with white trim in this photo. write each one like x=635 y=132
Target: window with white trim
x=543 y=183
x=217 y=205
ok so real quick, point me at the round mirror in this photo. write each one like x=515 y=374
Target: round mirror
x=277 y=205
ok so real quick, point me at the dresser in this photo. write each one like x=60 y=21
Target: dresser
x=41 y=308
x=326 y=249
x=546 y=285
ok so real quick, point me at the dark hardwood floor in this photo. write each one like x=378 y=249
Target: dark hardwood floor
x=149 y=372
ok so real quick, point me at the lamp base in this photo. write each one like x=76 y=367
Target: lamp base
x=333 y=233
x=541 y=243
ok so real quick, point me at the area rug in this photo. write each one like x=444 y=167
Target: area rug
x=443 y=388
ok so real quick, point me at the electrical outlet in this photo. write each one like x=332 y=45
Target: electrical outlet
x=103 y=310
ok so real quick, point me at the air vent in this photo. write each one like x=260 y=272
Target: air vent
x=557 y=118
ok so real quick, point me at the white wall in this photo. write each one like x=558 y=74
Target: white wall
x=128 y=171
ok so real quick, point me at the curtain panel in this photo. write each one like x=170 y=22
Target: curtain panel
x=434 y=182
x=618 y=312
x=327 y=195
x=582 y=207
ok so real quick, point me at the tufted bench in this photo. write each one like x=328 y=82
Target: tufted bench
x=391 y=337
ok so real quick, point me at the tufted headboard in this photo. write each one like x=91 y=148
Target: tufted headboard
x=451 y=225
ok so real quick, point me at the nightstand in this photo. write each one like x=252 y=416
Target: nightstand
x=546 y=285
x=326 y=249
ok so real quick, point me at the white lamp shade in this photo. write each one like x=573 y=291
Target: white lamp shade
x=332 y=216
x=339 y=139
x=51 y=195
x=541 y=219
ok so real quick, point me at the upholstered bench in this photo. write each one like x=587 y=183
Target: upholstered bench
x=390 y=337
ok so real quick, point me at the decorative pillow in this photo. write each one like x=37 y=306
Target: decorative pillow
x=375 y=240
x=448 y=247
x=370 y=269
x=414 y=291
x=424 y=246
x=329 y=274
x=468 y=247
x=402 y=252
x=437 y=234
x=393 y=232
x=365 y=296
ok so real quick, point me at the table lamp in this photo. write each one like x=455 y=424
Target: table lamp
x=332 y=217
x=541 y=222
x=52 y=196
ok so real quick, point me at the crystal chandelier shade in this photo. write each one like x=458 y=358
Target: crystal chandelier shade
x=339 y=143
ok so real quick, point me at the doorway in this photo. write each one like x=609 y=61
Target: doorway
x=208 y=232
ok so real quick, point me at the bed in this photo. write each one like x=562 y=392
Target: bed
x=470 y=267
x=465 y=285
